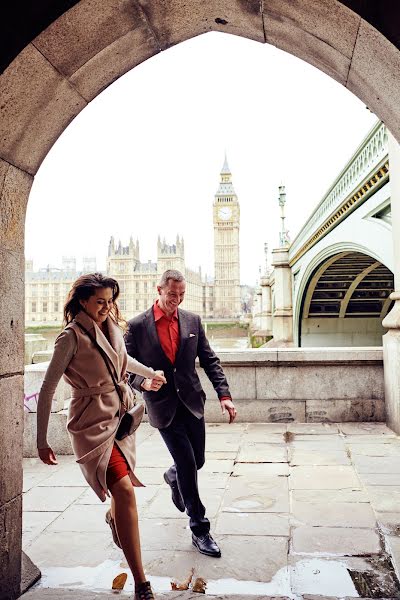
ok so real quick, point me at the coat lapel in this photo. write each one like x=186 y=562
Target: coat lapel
x=100 y=338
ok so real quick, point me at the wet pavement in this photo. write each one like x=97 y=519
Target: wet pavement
x=301 y=511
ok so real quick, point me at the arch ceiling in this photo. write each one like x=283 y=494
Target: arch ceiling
x=21 y=21
x=349 y=284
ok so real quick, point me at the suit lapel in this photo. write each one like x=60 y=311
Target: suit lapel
x=184 y=327
x=151 y=329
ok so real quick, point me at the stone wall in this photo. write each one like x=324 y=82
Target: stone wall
x=276 y=385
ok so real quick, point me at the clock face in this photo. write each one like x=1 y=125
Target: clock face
x=225 y=213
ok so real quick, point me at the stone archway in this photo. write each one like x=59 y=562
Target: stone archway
x=81 y=52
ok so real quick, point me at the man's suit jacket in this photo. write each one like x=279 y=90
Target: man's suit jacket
x=183 y=383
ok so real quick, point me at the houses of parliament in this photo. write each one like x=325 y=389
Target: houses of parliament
x=46 y=289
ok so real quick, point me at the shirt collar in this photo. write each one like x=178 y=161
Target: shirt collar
x=159 y=313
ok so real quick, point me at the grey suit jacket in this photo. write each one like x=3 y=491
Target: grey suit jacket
x=183 y=384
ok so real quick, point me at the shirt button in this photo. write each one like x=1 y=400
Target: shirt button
x=177 y=389
x=174 y=370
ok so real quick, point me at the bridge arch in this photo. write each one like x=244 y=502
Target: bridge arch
x=58 y=63
x=343 y=298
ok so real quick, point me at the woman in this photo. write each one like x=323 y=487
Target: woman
x=95 y=409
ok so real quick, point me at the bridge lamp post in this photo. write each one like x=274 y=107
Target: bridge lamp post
x=284 y=234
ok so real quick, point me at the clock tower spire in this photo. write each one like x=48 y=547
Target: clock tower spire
x=226 y=217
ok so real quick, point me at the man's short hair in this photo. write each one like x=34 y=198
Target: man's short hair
x=170 y=274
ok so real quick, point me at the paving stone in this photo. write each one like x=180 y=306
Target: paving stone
x=313 y=428
x=164 y=534
x=327 y=496
x=218 y=466
x=269 y=494
x=221 y=455
x=66 y=550
x=299 y=456
x=390 y=479
x=69 y=476
x=375 y=450
x=260 y=470
x=150 y=475
x=39 y=498
x=229 y=428
x=257 y=453
x=343 y=514
x=83 y=518
x=327 y=477
x=267 y=428
x=380 y=429
x=162 y=506
x=319 y=441
x=217 y=443
x=253 y=524
x=263 y=438
x=32 y=478
x=258 y=561
x=335 y=541
x=376 y=464
x=384 y=498
x=371 y=439
x=34 y=523
x=216 y=481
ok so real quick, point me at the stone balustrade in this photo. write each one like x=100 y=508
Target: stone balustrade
x=276 y=385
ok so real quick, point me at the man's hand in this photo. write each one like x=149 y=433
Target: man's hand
x=230 y=407
x=153 y=385
x=47 y=456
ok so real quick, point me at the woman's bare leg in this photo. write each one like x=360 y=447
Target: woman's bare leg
x=125 y=514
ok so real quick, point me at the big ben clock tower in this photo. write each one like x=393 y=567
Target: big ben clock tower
x=226 y=213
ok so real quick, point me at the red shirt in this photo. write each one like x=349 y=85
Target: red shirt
x=168 y=334
x=168 y=331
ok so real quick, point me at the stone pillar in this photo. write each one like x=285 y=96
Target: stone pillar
x=391 y=340
x=14 y=189
x=266 y=306
x=282 y=323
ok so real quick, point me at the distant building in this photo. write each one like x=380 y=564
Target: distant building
x=46 y=289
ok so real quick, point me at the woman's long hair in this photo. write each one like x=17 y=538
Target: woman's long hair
x=85 y=287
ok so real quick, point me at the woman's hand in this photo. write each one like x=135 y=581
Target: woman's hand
x=47 y=456
x=160 y=377
x=153 y=385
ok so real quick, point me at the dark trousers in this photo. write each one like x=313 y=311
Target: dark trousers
x=185 y=439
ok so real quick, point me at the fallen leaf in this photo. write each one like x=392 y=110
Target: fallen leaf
x=199 y=585
x=183 y=585
x=119 y=581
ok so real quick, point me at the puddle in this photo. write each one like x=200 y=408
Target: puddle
x=314 y=576
x=99 y=579
x=322 y=577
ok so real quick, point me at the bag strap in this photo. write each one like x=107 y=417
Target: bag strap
x=106 y=360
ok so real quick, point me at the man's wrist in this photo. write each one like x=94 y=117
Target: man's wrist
x=225 y=398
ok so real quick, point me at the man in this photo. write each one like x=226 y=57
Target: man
x=170 y=339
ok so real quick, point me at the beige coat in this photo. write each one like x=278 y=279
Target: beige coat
x=95 y=408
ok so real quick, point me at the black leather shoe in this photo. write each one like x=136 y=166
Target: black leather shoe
x=176 y=495
x=206 y=545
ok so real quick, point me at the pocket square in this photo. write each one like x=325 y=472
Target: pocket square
x=192 y=335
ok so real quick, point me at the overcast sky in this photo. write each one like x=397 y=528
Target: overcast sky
x=144 y=157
